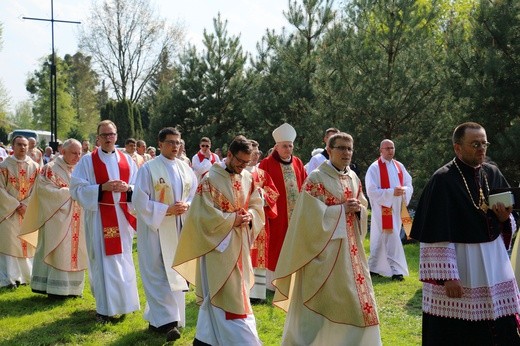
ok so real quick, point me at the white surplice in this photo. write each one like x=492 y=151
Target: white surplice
x=156 y=247
x=112 y=278
x=387 y=256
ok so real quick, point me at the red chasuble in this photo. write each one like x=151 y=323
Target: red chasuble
x=107 y=208
x=387 y=218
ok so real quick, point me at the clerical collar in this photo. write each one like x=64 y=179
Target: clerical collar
x=344 y=171
x=325 y=153
x=106 y=152
x=229 y=171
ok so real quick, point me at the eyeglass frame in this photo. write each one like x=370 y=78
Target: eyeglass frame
x=478 y=145
x=343 y=148
x=106 y=135
x=242 y=162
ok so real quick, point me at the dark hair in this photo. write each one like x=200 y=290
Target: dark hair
x=240 y=143
x=331 y=130
x=167 y=131
x=254 y=143
x=205 y=139
x=340 y=135
x=130 y=140
x=16 y=137
x=460 y=131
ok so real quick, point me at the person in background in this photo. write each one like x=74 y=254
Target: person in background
x=141 y=150
x=288 y=174
x=151 y=151
x=85 y=147
x=204 y=159
x=47 y=155
x=33 y=152
x=389 y=189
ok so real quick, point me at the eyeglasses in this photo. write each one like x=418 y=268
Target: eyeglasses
x=343 y=148
x=172 y=142
x=106 y=135
x=205 y=145
x=478 y=145
x=242 y=162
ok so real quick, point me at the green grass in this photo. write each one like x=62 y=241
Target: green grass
x=31 y=319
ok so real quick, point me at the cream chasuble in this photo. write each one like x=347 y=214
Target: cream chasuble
x=53 y=211
x=209 y=232
x=322 y=256
x=17 y=178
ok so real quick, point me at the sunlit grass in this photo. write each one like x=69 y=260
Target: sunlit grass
x=31 y=319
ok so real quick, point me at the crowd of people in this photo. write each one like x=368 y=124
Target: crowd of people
x=238 y=226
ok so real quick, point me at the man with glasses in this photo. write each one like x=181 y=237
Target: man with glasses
x=165 y=187
x=389 y=189
x=102 y=184
x=470 y=294
x=288 y=174
x=204 y=159
x=213 y=252
x=322 y=276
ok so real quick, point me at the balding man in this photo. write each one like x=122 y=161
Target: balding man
x=33 y=152
x=389 y=188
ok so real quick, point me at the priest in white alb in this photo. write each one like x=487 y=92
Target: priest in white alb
x=102 y=184
x=164 y=189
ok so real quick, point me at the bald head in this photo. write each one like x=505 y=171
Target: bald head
x=387 y=149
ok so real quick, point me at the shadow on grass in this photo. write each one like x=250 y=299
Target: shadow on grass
x=27 y=305
x=62 y=331
x=414 y=304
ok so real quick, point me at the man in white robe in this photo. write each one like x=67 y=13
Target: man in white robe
x=54 y=224
x=164 y=189
x=389 y=189
x=322 y=277
x=103 y=189
x=17 y=176
x=213 y=252
x=204 y=158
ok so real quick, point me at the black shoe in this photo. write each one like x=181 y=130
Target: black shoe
x=165 y=328
x=173 y=334
x=374 y=275
x=397 y=277
x=197 y=342
x=103 y=319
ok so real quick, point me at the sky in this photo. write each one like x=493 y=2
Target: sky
x=24 y=42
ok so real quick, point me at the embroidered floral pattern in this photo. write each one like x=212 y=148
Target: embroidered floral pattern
x=438 y=263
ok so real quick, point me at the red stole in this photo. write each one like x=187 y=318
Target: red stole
x=107 y=208
x=202 y=157
x=387 y=218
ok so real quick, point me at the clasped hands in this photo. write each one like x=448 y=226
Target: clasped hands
x=178 y=208
x=115 y=186
x=242 y=217
x=352 y=205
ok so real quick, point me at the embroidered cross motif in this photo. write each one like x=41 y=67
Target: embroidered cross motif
x=75 y=216
x=22 y=172
x=224 y=206
x=111 y=232
x=354 y=250
x=237 y=185
x=368 y=308
x=360 y=279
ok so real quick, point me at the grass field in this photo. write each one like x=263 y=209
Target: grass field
x=31 y=319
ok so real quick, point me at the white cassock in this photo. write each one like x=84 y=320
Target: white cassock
x=158 y=238
x=112 y=278
x=387 y=256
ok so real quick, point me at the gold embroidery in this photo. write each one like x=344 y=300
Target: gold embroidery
x=111 y=232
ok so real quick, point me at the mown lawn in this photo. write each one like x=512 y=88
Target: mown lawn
x=30 y=319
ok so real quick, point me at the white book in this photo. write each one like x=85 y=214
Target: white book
x=506 y=198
